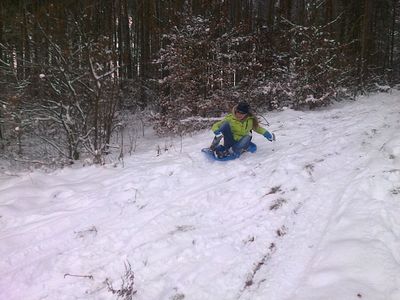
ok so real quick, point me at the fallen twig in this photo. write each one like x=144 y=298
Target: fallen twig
x=82 y=276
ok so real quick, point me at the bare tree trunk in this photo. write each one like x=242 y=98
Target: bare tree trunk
x=329 y=14
x=127 y=42
x=365 y=36
x=1 y=29
x=285 y=9
x=301 y=12
x=120 y=46
x=392 y=36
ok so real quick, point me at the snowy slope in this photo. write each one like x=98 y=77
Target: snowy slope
x=312 y=216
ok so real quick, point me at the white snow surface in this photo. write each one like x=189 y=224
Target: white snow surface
x=314 y=215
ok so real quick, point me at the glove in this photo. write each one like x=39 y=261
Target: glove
x=217 y=132
x=269 y=136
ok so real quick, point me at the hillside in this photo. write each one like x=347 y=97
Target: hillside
x=312 y=216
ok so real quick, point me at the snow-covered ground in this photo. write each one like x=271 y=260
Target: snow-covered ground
x=312 y=216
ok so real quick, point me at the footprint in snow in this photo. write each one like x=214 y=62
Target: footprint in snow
x=395 y=191
x=278 y=204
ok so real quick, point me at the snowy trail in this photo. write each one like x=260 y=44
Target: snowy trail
x=311 y=216
x=357 y=150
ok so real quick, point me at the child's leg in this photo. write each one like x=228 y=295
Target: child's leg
x=241 y=145
x=228 y=136
x=215 y=142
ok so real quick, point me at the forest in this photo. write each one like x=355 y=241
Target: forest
x=73 y=74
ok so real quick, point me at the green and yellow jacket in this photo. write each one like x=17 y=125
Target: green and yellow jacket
x=239 y=128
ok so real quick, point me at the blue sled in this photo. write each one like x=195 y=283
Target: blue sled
x=210 y=154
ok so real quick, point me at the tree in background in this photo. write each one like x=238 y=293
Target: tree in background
x=65 y=81
x=209 y=64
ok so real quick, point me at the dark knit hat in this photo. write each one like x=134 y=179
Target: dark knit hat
x=243 y=107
